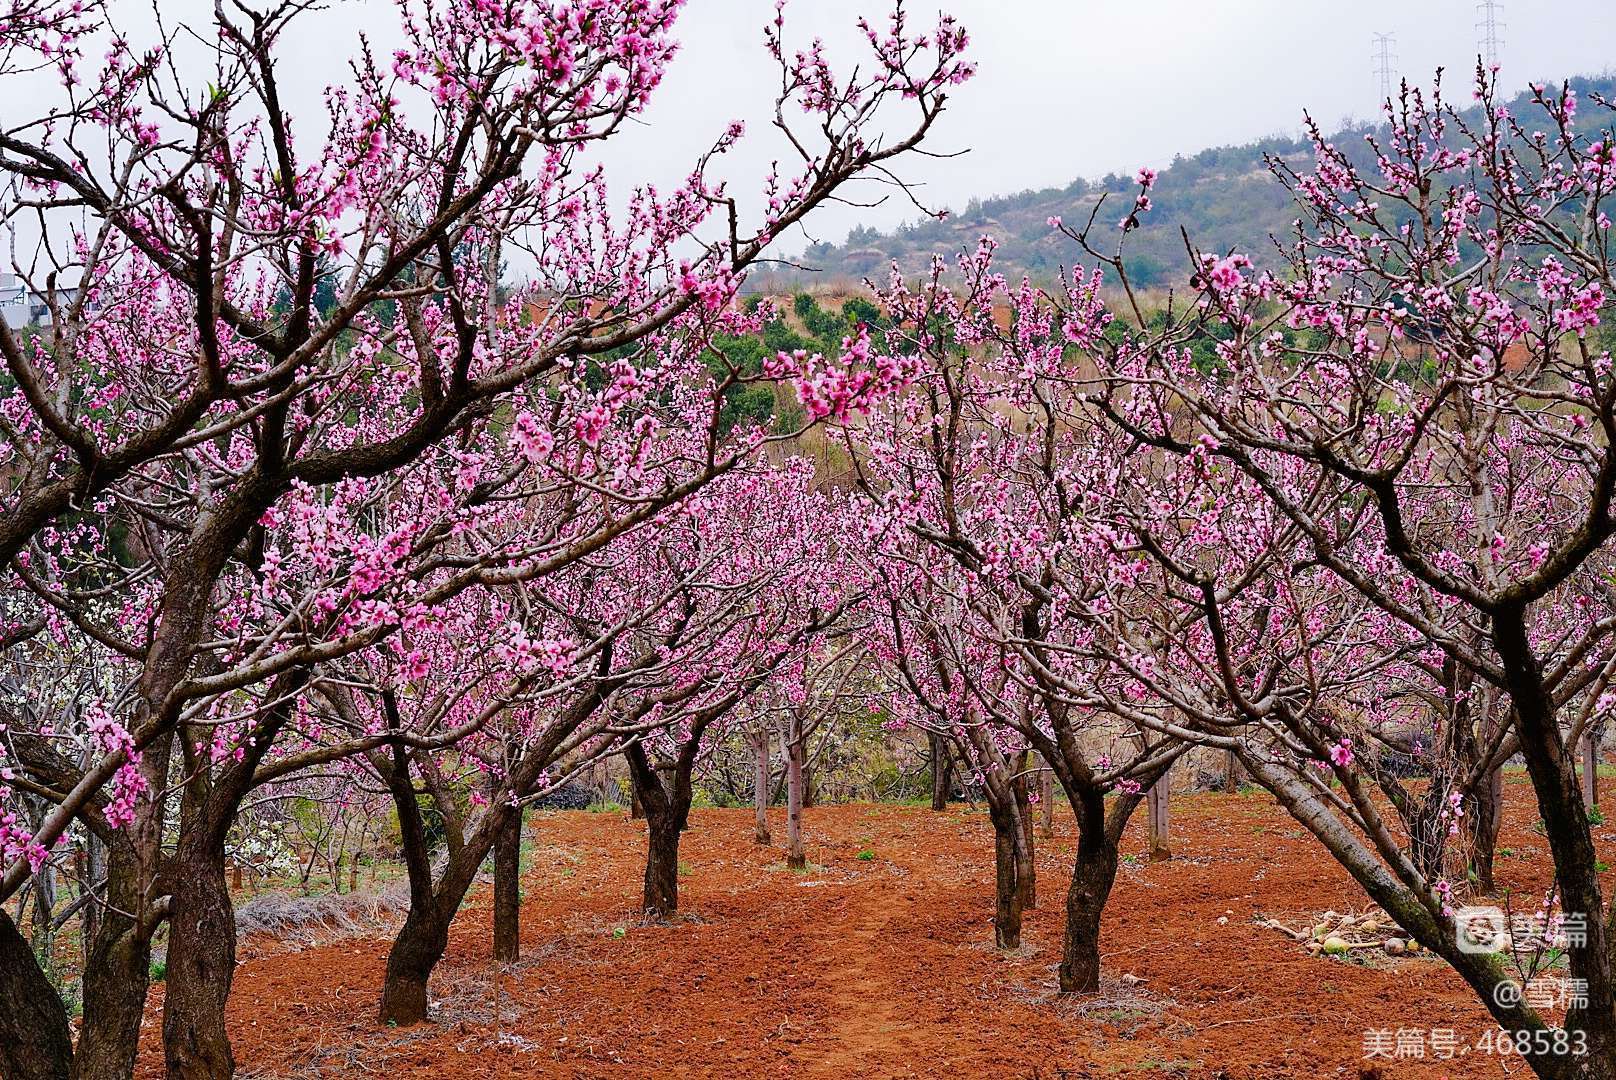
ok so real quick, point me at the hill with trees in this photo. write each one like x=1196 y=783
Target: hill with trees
x=1224 y=197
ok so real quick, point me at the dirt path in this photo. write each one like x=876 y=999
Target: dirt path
x=864 y=987
x=876 y=968
x=865 y=1001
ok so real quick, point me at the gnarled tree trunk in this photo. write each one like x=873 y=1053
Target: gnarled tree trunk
x=1006 y=893
x=35 y=1043
x=416 y=950
x=201 y=962
x=1565 y=823
x=424 y=937
x=1093 y=873
x=116 y=977
x=661 y=896
x=508 y=891
x=1005 y=788
x=421 y=941
x=1233 y=772
x=665 y=794
x=202 y=920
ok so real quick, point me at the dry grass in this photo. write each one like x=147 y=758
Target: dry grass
x=309 y=920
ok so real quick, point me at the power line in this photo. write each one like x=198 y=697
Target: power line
x=1488 y=27
x=1385 y=64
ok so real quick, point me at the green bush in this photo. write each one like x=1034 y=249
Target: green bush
x=705 y=798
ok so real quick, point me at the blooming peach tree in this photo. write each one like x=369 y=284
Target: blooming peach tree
x=1373 y=486
x=287 y=410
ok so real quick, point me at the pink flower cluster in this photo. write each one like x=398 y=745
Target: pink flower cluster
x=1223 y=275
x=853 y=383
x=531 y=439
x=525 y=654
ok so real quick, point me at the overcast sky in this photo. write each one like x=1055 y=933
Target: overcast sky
x=1069 y=88
x=1065 y=88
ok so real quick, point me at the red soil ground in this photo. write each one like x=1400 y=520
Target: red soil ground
x=877 y=968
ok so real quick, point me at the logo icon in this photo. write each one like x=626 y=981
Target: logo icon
x=1482 y=929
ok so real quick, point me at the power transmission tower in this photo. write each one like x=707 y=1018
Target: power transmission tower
x=1385 y=64
x=1488 y=27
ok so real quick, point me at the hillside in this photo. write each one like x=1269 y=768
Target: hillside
x=1224 y=196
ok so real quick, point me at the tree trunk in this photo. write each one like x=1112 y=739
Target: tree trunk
x=416 y=951
x=1046 y=801
x=796 y=854
x=760 y=786
x=424 y=936
x=1006 y=893
x=1161 y=848
x=1590 y=769
x=1026 y=863
x=942 y=770
x=434 y=899
x=117 y=974
x=44 y=908
x=95 y=868
x=35 y=1043
x=115 y=987
x=1427 y=821
x=116 y=978
x=1486 y=822
x=201 y=963
x=202 y=920
x=1565 y=823
x=508 y=891
x=661 y=897
x=1093 y=872
x=668 y=774
x=664 y=791
x=1233 y=772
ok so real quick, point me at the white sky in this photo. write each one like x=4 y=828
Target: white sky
x=1065 y=88
x=1069 y=88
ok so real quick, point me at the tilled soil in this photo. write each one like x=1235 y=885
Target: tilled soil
x=880 y=966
